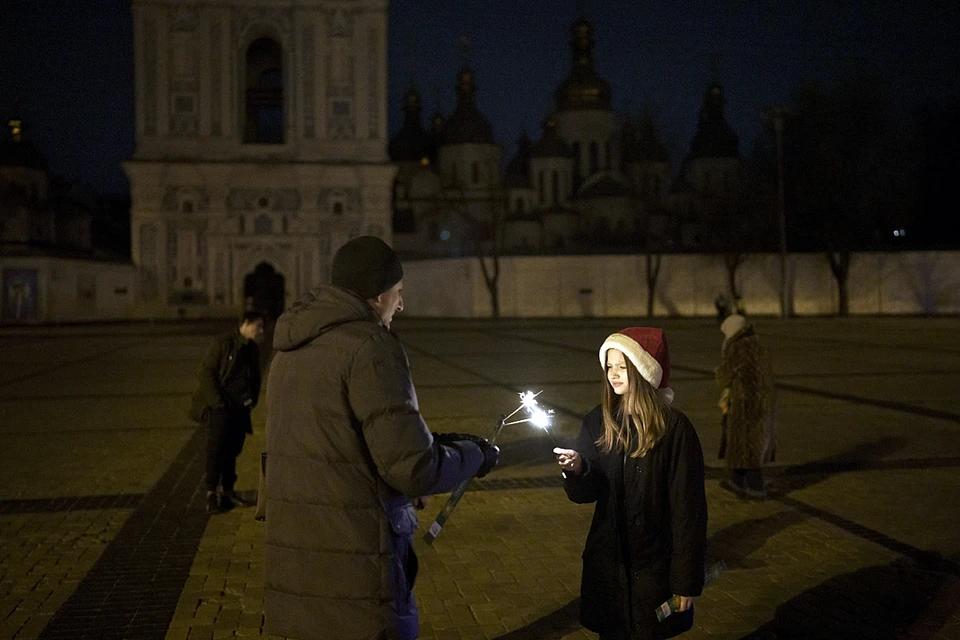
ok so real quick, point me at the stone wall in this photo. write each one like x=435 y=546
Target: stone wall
x=47 y=289
x=583 y=286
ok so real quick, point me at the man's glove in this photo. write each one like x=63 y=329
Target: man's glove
x=491 y=456
x=450 y=438
x=491 y=453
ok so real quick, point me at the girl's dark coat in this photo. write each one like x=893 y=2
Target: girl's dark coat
x=648 y=536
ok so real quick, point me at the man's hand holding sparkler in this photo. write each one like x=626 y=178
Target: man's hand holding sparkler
x=491 y=452
x=569 y=460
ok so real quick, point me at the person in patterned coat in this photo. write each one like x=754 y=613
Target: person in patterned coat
x=748 y=438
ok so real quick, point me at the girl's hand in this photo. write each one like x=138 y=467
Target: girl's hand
x=569 y=460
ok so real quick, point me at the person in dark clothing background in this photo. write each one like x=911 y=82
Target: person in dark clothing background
x=640 y=460
x=228 y=391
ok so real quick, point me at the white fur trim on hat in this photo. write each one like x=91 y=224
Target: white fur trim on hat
x=645 y=363
x=733 y=323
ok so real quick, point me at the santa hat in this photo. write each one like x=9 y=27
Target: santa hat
x=646 y=348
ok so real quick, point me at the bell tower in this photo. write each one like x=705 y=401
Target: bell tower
x=261 y=141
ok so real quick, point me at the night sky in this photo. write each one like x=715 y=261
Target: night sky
x=71 y=63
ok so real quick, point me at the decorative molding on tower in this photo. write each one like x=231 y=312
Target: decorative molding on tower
x=308 y=42
x=341 y=85
x=373 y=84
x=247 y=17
x=216 y=78
x=183 y=18
x=150 y=60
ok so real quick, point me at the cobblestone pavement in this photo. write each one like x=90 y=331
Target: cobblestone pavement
x=103 y=533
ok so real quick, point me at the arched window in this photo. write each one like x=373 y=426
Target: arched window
x=264 y=93
x=556 y=187
x=609 y=154
x=541 y=185
x=594 y=158
x=476 y=172
x=520 y=205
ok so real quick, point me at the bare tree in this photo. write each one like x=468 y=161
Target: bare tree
x=653 y=261
x=649 y=243
x=484 y=232
x=831 y=151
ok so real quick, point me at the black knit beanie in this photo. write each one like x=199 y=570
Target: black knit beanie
x=367 y=266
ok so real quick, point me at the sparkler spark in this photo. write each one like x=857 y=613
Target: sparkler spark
x=537 y=416
x=540 y=418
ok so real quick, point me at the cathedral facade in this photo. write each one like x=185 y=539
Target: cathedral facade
x=260 y=148
x=594 y=179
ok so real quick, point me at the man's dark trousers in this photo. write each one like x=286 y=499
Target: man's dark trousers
x=227 y=430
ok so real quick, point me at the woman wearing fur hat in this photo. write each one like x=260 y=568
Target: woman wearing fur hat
x=748 y=432
x=640 y=461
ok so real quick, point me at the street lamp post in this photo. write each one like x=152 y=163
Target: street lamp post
x=777 y=115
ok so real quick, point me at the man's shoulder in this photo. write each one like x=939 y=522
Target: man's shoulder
x=222 y=341
x=360 y=336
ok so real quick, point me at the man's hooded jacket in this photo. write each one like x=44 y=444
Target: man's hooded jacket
x=346 y=450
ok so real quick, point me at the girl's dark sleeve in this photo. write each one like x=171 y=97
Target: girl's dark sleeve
x=583 y=487
x=688 y=509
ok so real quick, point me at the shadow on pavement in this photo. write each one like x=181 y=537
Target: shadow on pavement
x=801 y=476
x=555 y=625
x=897 y=601
x=736 y=543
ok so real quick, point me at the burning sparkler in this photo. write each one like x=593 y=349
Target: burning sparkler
x=538 y=417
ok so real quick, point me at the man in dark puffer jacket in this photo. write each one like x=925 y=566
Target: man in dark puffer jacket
x=347 y=450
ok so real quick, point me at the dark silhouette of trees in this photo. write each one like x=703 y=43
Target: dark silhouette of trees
x=832 y=163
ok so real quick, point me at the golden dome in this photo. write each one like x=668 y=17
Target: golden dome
x=583 y=88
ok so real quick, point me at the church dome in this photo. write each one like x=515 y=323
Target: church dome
x=412 y=142
x=517 y=175
x=714 y=137
x=17 y=151
x=467 y=125
x=550 y=144
x=640 y=142
x=583 y=88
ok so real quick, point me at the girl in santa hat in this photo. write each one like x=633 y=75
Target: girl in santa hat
x=640 y=461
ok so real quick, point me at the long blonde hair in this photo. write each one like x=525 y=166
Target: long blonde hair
x=635 y=421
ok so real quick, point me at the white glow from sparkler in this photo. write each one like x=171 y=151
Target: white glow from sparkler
x=529 y=399
x=540 y=418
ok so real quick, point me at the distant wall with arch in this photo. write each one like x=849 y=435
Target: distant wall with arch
x=615 y=286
